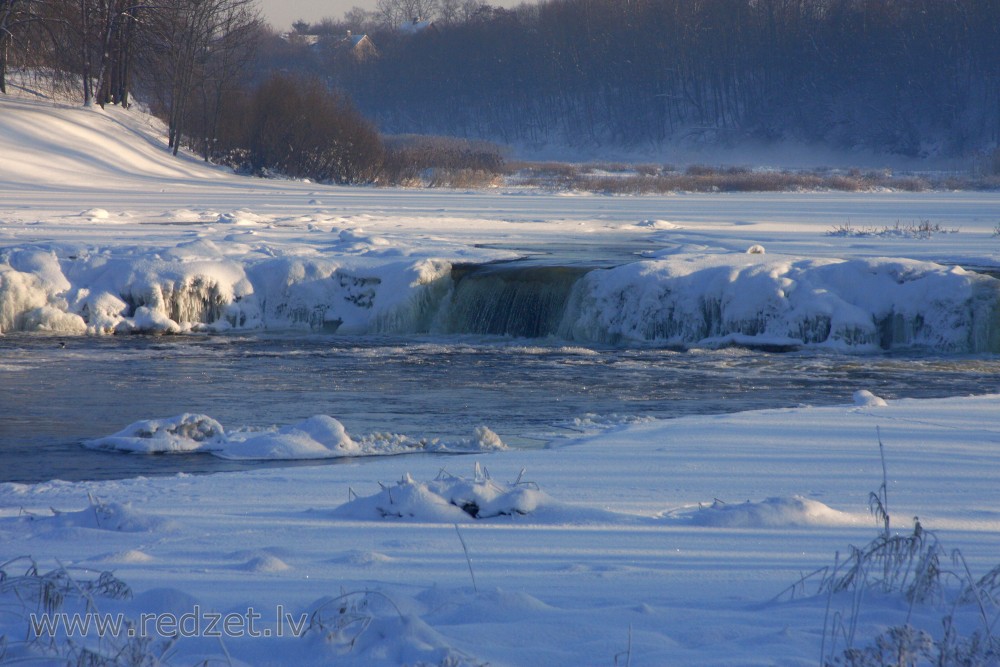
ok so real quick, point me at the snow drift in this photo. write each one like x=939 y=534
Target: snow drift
x=795 y=511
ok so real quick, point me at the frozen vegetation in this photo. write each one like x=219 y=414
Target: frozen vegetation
x=744 y=539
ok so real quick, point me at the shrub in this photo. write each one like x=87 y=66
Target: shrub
x=914 y=566
x=298 y=127
x=701 y=170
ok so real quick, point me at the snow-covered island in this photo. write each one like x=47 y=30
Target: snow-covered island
x=742 y=539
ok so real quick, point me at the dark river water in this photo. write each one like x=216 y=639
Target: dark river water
x=57 y=392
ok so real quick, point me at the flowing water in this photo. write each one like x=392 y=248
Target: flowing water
x=56 y=392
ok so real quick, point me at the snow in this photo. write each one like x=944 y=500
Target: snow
x=186 y=247
x=447 y=499
x=687 y=541
x=769 y=513
x=774 y=300
x=680 y=533
x=319 y=437
x=679 y=299
x=865 y=398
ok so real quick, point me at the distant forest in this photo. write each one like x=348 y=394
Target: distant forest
x=910 y=77
x=907 y=77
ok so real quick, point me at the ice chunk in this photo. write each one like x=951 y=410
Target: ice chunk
x=184 y=433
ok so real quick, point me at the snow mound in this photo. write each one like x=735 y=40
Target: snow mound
x=129 y=557
x=318 y=437
x=363 y=558
x=795 y=511
x=265 y=564
x=447 y=499
x=95 y=214
x=323 y=437
x=657 y=224
x=501 y=606
x=184 y=433
x=594 y=423
x=370 y=628
x=242 y=217
x=865 y=399
x=107 y=516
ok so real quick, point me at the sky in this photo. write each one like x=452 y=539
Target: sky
x=282 y=13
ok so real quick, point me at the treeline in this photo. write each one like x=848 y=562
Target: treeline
x=904 y=76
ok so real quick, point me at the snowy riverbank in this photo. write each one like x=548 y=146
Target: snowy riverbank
x=666 y=542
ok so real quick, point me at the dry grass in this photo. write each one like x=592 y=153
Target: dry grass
x=921 y=229
x=625 y=179
x=442 y=162
x=448 y=162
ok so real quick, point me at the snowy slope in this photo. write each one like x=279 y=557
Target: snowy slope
x=44 y=146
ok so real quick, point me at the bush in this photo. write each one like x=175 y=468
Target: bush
x=298 y=127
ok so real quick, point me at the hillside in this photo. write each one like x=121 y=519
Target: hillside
x=43 y=144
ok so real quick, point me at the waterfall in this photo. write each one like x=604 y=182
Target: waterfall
x=508 y=299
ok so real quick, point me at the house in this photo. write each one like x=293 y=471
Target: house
x=417 y=26
x=359 y=48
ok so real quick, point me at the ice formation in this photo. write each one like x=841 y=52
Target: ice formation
x=682 y=300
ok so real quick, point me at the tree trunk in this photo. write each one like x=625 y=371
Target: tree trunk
x=4 y=41
x=85 y=63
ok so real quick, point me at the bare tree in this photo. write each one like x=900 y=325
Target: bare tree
x=299 y=127
x=394 y=13
x=116 y=26
x=458 y=11
x=222 y=73
x=360 y=19
x=13 y=14
x=191 y=37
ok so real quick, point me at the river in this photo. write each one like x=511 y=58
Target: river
x=59 y=391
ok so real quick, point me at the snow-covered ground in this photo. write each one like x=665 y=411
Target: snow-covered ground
x=667 y=543
x=672 y=542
